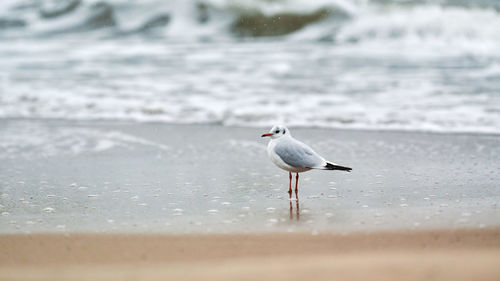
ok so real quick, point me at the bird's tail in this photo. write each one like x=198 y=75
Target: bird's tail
x=331 y=166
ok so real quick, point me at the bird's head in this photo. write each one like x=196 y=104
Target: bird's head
x=277 y=132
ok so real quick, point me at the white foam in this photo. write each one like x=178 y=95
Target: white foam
x=423 y=29
x=29 y=140
x=423 y=66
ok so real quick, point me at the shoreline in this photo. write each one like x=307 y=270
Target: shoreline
x=100 y=122
x=408 y=255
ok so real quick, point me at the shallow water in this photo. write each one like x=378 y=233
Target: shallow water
x=127 y=177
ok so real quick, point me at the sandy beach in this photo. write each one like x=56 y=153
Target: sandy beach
x=131 y=149
x=421 y=255
x=128 y=201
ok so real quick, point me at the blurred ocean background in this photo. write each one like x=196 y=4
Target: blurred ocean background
x=367 y=64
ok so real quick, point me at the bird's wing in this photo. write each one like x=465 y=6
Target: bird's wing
x=297 y=154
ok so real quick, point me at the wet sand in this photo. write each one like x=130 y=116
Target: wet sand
x=472 y=254
x=123 y=177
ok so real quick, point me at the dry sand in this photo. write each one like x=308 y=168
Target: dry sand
x=424 y=255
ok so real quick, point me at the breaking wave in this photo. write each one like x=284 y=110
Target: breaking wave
x=338 y=20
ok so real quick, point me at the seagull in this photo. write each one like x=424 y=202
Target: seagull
x=294 y=156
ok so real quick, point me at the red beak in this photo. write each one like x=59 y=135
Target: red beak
x=266 y=135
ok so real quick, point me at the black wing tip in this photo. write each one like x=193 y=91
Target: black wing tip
x=330 y=166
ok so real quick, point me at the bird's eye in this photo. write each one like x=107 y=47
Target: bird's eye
x=277 y=131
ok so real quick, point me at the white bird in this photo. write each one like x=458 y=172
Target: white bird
x=294 y=156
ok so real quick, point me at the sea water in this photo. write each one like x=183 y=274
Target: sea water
x=405 y=65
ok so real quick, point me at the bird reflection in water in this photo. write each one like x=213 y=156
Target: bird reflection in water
x=297 y=209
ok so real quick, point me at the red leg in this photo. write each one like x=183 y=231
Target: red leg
x=296 y=186
x=290 y=189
